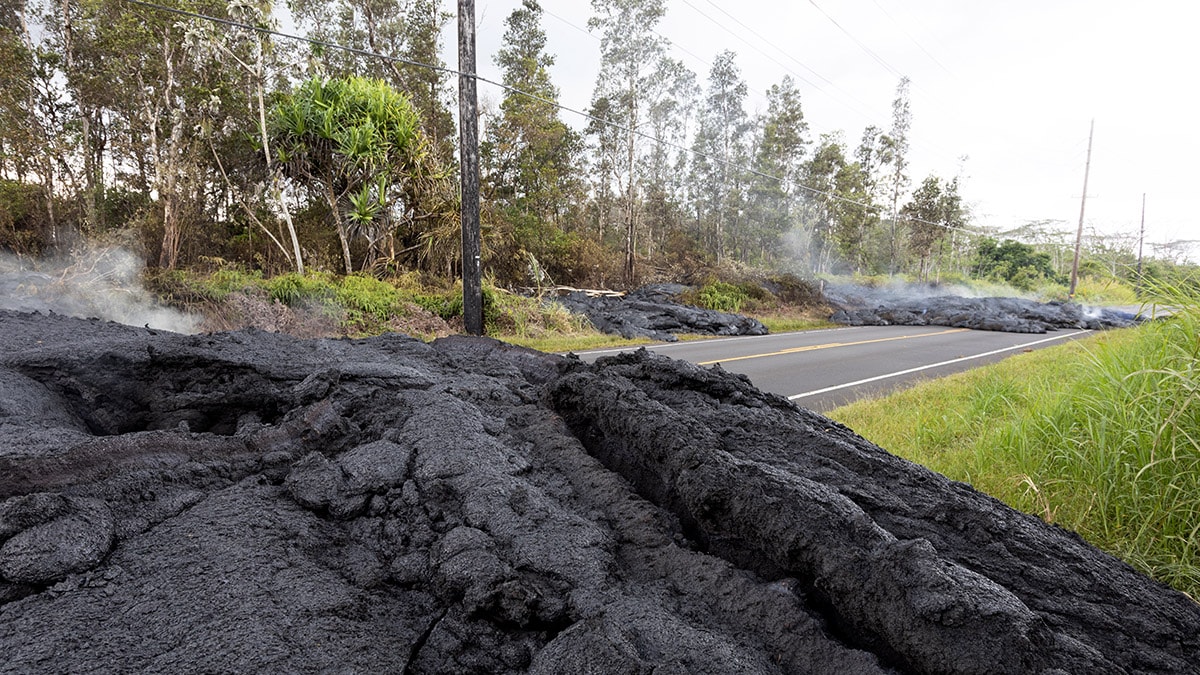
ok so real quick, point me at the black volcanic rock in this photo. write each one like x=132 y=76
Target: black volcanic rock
x=872 y=307
x=653 y=312
x=250 y=502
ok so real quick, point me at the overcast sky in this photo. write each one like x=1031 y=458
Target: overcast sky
x=1011 y=85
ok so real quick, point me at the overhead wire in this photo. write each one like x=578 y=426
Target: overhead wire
x=776 y=61
x=696 y=57
x=922 y=142
x=870 y=52
x=453 y=71
x=913 y=39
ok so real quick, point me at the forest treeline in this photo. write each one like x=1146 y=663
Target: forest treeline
x=204 y=143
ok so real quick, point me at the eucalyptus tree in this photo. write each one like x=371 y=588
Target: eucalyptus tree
x=403 y=33
x=529 y=155
x=17 y=113
x=722 y=150
x=779 y=154
x=131 y=67
x=838 y=211
x=896 y=148
x=635 y=73
x=606 y=142
x=356 y=143
x=932 y=213
x=664 y=171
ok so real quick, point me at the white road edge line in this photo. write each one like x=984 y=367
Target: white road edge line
x=933 y=365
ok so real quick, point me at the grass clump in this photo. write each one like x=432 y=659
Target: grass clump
x=720 y=296
x=1100 y=436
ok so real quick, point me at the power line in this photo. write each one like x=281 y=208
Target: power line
x=451 y=71
x=581 y=30
x=879 y=59
x=913 y=39
x=756 y=48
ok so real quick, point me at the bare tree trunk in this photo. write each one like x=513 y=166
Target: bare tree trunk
x=343 y=237
x=275 y=189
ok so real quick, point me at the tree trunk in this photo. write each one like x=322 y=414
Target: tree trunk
x=275 y=190
x=343 y=236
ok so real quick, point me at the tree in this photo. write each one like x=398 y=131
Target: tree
x=778 y=160
x=837 y=210
x=356 y=143
x=895 y=146
x=634 y=74
x=1013 y=262
x=250 y=51
x=934 y=211
x=664 y=171
x=529 y=155
x=721 y=148
x=407 y=29
x=132 y=66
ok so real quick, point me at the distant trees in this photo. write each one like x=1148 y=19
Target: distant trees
x=219 y=144
x=839 y=209
x=775 y=184
x=895 y=154
x=1012 y=262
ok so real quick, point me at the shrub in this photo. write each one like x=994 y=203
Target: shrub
x=363 y=295
x=721 y=296
x=292 y=288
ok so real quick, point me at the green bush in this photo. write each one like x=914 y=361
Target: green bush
x=292 y=288
x=368 y=296
x=223 y=282
x=721 y=297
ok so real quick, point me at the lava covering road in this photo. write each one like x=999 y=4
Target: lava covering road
x=654 y=312
x=856 y=306
x=251 y=502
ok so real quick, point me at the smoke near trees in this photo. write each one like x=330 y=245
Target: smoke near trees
x=215 y=143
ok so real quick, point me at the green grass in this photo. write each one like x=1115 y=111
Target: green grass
x=562 y=344
x=1100 y=436
x=786 y=323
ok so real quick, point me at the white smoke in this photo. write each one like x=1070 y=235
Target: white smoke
x=103 y=283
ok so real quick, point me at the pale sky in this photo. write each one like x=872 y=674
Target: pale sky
x=1012 y=85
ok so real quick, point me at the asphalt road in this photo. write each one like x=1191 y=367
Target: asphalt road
x=824 y=369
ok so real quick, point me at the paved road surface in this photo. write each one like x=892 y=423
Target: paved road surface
x=824 y=369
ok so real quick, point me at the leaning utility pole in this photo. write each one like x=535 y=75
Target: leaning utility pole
x=1082 y=203
x=468 y=148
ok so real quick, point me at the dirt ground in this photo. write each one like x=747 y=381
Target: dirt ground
x=252 y=502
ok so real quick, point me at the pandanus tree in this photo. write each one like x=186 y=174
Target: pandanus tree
x=355 y=143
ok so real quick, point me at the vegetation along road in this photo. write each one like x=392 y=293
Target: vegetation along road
x=824 y=369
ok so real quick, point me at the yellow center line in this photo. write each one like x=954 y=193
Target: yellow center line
x=829 y=345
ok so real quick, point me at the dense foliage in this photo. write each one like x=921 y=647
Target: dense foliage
x=197 y=143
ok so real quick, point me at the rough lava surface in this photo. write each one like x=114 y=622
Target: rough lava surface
x=653 y=312
x=251 y=502
x=875 y=307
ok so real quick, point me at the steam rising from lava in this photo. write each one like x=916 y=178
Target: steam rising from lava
x=104 y=283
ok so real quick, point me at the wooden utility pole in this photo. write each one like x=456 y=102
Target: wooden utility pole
x=1082 y=204
x=468 y=148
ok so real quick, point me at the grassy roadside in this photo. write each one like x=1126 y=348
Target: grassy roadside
x=326 y=305
x=1100 y=436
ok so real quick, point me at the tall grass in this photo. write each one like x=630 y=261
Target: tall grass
x=1100 y=436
